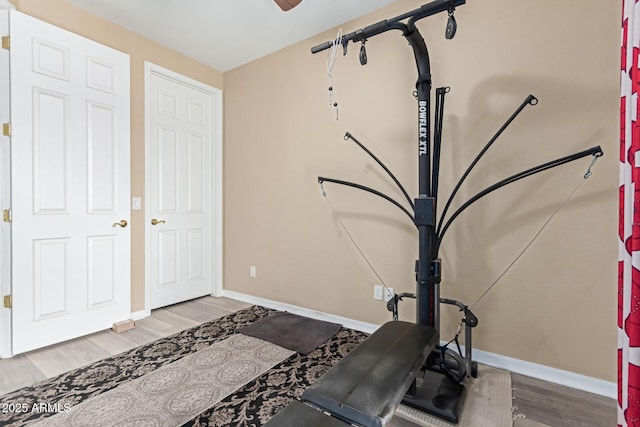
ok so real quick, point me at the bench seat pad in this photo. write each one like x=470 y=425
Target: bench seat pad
x=367 y=385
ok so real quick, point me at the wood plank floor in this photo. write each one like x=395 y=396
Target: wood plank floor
x=542 y=403
x=560 y=406
x=29 y=368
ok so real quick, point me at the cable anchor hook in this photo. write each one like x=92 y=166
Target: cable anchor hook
x=588 y=173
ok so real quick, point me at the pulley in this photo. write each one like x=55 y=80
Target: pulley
x=452 y=26
x=363 y=53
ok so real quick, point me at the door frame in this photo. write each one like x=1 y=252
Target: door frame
x=5 y=191
x=216 y=152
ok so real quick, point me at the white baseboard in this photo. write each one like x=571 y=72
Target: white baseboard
x=137 y=315
x=547 y=373
x=348 y=323
x=530 y=369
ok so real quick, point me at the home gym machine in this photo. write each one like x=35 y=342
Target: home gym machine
x=365 y=387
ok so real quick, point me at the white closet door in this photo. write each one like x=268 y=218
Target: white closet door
x=70 y=184
x=180 y=190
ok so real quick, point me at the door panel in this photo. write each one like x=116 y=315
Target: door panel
x=51 y=174
x=51 y=278
x=101 y=265
x=195 y=173
x=180 y=191
x=70 y=184
x=195 y=255
x=168 y=257
x=101 y=145
x=167 y=170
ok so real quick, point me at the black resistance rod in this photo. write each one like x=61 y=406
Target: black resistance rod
x=437 y=140
x=594 y=151
x=530 y=100
x=348 y=136
x=322 y=179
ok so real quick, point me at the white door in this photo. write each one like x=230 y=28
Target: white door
x=180 y=188
x=70 y=184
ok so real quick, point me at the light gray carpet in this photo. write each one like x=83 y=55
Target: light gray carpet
x=488 y=403
x=177 y=392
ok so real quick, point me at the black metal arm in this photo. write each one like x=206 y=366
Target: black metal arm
x=348 y=136
x=423 y=11
x=594 y=151
x=322 y=179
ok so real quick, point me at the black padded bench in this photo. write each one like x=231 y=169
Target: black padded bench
x=367 y=385
x=297 y=414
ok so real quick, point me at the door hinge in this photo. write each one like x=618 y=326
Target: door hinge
x=8 y=301
x=6 y=42
x=6 y=129
x=6 y=215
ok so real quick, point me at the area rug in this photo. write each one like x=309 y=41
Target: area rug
x=297 y=333
x=488 y=403
x=250 y=405
x=175 y=393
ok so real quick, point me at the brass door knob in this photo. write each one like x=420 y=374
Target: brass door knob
x=156 y=221
x=122 y=223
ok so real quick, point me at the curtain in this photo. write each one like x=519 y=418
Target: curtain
x=629 y=222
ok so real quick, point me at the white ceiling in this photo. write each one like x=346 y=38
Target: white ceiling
x=225 y=34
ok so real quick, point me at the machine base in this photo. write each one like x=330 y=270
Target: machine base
x=438 y=395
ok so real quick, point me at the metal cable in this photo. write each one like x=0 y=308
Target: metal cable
x=535 y=237
x=344 y=227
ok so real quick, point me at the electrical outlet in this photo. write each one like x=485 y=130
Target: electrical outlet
x=388 y=294
x=377 y=292
x=252 y=271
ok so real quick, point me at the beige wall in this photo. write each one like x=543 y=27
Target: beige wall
x=557 y=305
x=140 y=49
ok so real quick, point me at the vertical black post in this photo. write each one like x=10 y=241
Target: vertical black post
x=424 y=204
